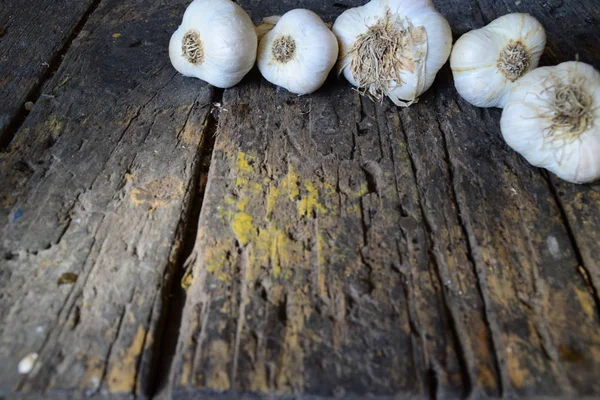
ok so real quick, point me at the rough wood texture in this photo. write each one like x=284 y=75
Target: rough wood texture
x=351 y=248
x=93 y=189
x=345 y=248
x=31 y=36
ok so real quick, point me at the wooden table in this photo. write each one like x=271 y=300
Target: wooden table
x=335 y=247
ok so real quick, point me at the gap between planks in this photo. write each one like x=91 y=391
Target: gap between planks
x=187 y=231
x=36 y=91
x=588 y=278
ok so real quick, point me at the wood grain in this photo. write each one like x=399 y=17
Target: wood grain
x=32 y=37
x=345 y=248
x=351 y=248
x=95 y=186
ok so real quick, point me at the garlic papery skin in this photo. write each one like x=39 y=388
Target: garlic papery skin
x=298 y=53
x=267 y=25
x=487 y=62
x=393 y=48
x=216 y=42
x=552 y=118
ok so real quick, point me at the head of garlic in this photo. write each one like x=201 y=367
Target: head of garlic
x=393 y=48
x=487 y=62
x=298 y=53
x=552 y=118
x=216 y=42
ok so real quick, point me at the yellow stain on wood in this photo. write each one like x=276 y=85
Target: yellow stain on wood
x=215 y=258
x=243 y=162
x=94 y=369
x=587 y=303
x=187 y=280
x=184 y=379
x=242 y=203
x=52 y=127
x=243 y=228
x=272 y=195
x=116 y=35
x=157 y=193
x=218 y=372
x=291 y=361
x=192 y=132
x=274 y=254
x=485 y=373
x=290 y=184
x=121 y=377
x=310 y=202
x=243 y=168
x=519 y=375
x=321 y=257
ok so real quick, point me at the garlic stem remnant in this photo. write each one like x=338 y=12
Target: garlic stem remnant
x=376 y=57
x=552 y=118
x=192 y=47
x=514 y=61
x=571 y=110
x=216 y=42
x=487 y=62
x=393 y=48
x=284 y=48
x=298 y=52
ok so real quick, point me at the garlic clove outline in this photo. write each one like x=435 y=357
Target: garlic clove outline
x=267 y=25
x=298 y=53
x=486 y=62
x=216 y=42
x=405 y=66
x=552 y=118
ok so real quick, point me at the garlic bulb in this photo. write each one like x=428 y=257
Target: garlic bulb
x=216 y=42
x=487 y=62
x=552 y=117
x=298 y=53
x=393 y=48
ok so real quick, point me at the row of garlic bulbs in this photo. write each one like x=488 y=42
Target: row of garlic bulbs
x=395 y=48
x=388 y=48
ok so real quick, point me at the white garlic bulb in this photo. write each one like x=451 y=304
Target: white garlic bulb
x=487 y=62
x=552 y=117
x=216 y=42
x=393 y=48
x=298 y=53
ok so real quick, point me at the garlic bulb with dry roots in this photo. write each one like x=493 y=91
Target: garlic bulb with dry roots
x=393 y=48
x=552 y=117
x=487 y=62
x=216 y=42
x=298 y=53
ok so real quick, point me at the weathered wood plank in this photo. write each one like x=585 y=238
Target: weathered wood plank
x=578 y=207
x=94 y=187
x=32 y=35
x=349 y=248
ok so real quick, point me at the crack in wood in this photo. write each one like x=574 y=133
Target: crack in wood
x=185 y=254
x=593 y=282
x=34 y=94
x=479 y=271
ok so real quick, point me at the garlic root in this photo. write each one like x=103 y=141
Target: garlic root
x=393 y=48
x=552 y=118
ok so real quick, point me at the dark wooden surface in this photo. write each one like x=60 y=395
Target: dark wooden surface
x=33 y=39
x=97 y=183
x=344 y=248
